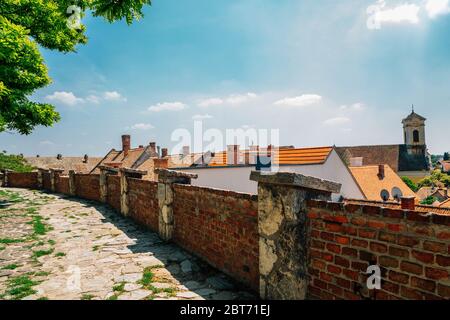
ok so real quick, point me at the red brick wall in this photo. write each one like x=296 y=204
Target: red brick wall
x=413 y=251
x=221 y=227
x=143 y=202
x=87 y=186
x=46 y=182
x=113 y=196
x=23 y=180
x=62 y=184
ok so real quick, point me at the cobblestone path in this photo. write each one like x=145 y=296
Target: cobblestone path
x=54 y=247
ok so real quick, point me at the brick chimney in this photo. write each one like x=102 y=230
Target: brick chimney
x=153 y=146
x=381 y=173
x=408 y=203
x=126 y=144
x=164 y=152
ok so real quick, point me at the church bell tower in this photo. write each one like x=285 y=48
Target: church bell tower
x=414 y=133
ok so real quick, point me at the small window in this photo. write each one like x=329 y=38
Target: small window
x=416 y=136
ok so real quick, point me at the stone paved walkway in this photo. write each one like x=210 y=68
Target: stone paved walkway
x=53 y=247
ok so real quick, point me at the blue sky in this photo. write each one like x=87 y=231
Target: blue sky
x=322 y=72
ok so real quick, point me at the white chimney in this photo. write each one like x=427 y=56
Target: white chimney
x=232 y=154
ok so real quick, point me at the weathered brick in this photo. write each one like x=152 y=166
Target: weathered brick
x=327 y=236
x=367 y=233
x=395 y=227
x=378 y=247
x=326 y=277
x=360 y=266
x=424 y=257
x=443 y=290
x=435 y=246
x=407 y=241
x=398 y=252
x=333 y=248
x=390 y=286
x=334 y=269
x=388 y=262
x=354 y=275
x=358 y=221
x=376 y=224
x=411 y=267
x=398 y=277
x=411 y=294
x=443 y=261
x=367 y=256
x=388 y=237
x=343 y=283
x=349 y=252
x=342 y=240
x=423 y=284
x=341 y=261
x=333 y=227
x=435 y=273
x=443 y=235
x=360 y=243
x=320 y=284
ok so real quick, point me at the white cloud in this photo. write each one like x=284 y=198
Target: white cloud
x=67 y=98
x=437 y=7
x=233 y=99
x=113 y=96
x=210 y=102
x=336 y=121
x=300 y=101
x=167 y=106
x=93 y=99
x=201 y=117
x=142 y=126
x=240 y=98
x=46 y=143
x=378 y=14
x=356 y=107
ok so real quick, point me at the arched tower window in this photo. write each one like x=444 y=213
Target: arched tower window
x=416 y=136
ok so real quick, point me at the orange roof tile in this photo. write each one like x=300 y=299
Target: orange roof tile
x=445 y=204
x=371 y=184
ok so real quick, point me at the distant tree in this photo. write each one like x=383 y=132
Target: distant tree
x=14 y=163
x=436 y=178
x=446 y=156
x=429 y=201
x=54 y=25
x=410 y=184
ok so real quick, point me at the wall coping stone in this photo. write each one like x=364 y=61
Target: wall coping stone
x=295 y=180
x=166 y=173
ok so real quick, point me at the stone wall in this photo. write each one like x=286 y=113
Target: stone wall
x=221 y=227
x=290 y=242
x=412 y=249
x=46 y=181
x=143 y=202
x=23 y=180
x=87 y=186
x=62 y=184
x=113 y=192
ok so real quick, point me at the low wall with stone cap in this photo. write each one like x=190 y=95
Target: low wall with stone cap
x=221 y=227
x=291 y=242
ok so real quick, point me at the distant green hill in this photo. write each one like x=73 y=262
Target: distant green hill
x=14 y=163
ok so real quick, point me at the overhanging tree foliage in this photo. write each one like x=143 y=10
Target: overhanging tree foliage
x=25 y=24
